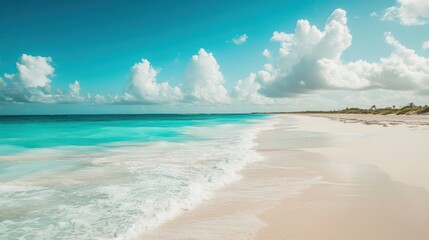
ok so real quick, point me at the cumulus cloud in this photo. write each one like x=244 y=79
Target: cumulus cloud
x=373 y=14
x=425 y=45
x=74 y=92
x=310 y=60
x=408 y=12
x=202 y=84
x=281 y=37
x=74 y=89
x=35 y=71
x=203 y=81
x=246 y=91
x=31 y=83
x=402 y=70
x=143 y=86
x=266 y=53
x=240 y=40
x=296 y=70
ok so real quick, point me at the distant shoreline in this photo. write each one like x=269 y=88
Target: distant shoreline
x=410 y=109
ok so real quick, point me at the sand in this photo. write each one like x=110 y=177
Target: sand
x=322 y=179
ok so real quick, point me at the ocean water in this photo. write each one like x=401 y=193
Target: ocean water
x=115 y=176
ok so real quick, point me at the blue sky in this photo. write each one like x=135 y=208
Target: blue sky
x=98 y=42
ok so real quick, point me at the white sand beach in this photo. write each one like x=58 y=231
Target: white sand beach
x=324 y=177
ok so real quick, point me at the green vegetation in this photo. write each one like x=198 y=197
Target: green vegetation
x=410 y=109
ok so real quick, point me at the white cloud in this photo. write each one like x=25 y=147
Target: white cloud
x=281 y=37
x=425 y=45
x=296 y=70
x=35 y=71
x=408 y=12
x=144 y=88
x=74 y=89
x=403 y=70
x=240 y=40
x=246 y=91
x=100 y=99
x=373 y=14
x=31 y=83
x=203 y=80
x=266 y=53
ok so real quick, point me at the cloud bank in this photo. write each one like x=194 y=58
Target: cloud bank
x=309 y=60
x=202 y=84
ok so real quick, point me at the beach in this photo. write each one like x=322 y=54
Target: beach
x=323 y=177
x=214 y=120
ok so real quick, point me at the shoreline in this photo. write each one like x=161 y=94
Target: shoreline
x=301 y=192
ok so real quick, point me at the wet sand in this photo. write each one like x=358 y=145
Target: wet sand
x=324 y=180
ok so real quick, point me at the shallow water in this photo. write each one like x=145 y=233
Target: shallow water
x=114 y=176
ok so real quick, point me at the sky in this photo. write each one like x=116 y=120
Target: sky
x=110 y=56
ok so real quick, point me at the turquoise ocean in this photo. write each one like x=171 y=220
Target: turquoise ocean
x=115 y=176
